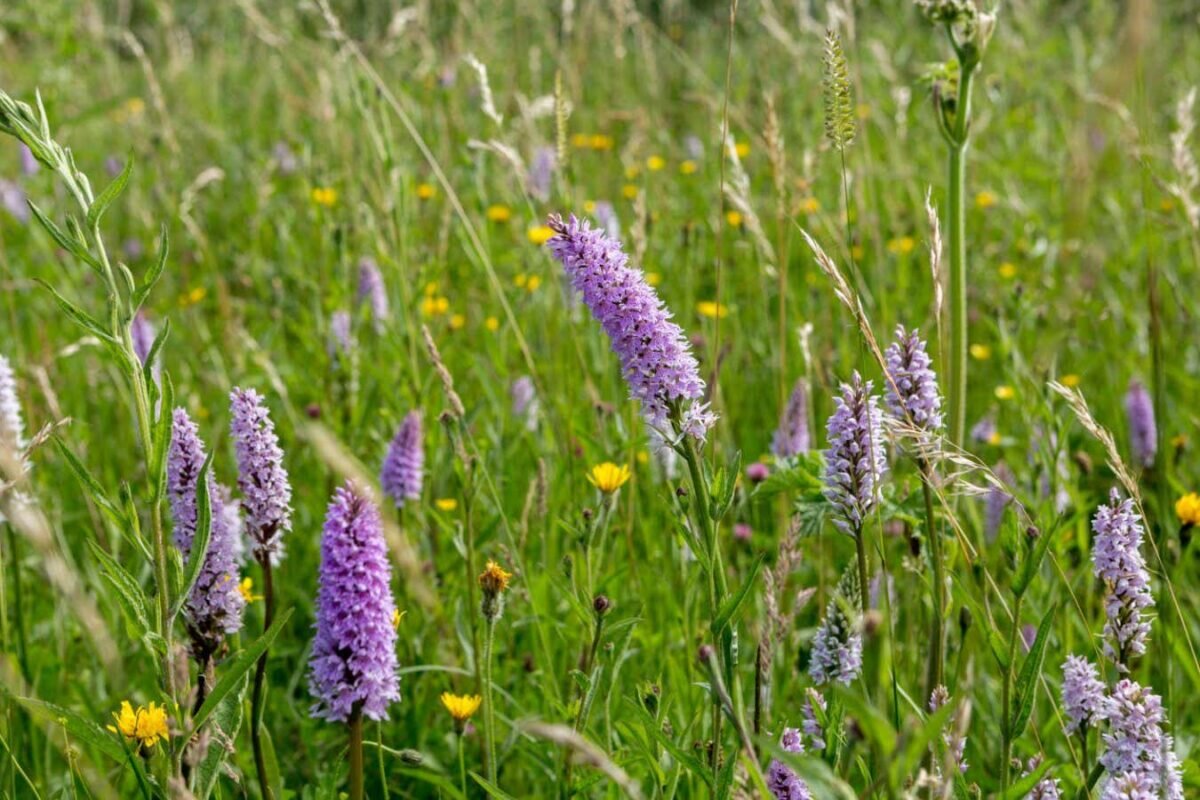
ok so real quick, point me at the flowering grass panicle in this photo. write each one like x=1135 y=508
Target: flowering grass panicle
x=262 y=479
x=12 y=425
x=837 y=645
x=1117 y=561
x=955 y=741
x=1143 y=430
x=1083 y=694
x=781 y=780
x=656 y=358
x=403 y=466
x=353 y=663
x=373 y=292
x=855 y=461
x=1138 y=759
x=912 y=387
x=791 y=437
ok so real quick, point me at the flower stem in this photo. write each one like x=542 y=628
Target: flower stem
x=489 y=722
x=936 y=649
x=1006 y=732
x=957 y=238
x=356 y=753
x=258 y=695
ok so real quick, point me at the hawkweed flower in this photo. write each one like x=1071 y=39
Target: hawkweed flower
x=912 y=387
x=404 y=464
x=1138 y=759
x=781 y=780
x=1187 y=508
x=1117 y=560
x=1083 y=695
x=656 y=358
x=791 y=437
x=262 y=479
x=461 y=707
x=493 y=581
x=145 y=725
x=855 y=460
x=353 y=663
x=1143 y=432
x=523 y=396
x=608 y=477
x=373 y=292
x=837 y=645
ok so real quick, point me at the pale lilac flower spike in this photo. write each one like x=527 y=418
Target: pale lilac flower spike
x=262 y=479
x=142 y=331
x=912 y=388
x=1139 y=758
x=1082 y=694
x=1143 y=432
x=12 y=426
x=1117 y=560
x=353 y=660
x=404 y=464
x=837 y=644
x=855 y=461
x=371 y=290
x=791 y=437
x=781 y=780
x=656 y=358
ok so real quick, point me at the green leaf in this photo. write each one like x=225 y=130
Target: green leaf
x=1031 y=672
x=69 y=243
x=235 y=669
x=1024 y=785
x=732 y=604
x=1033 y=560
x=80 y=728
x=491 y=789
x=138 y=299
x=110 y=193
x=91 y=485
x=227 y=720
x=129 y=591
x=80 y=317
x=803 y=476
x=199 y=549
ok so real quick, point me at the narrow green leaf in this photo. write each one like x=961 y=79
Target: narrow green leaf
x=79 y=315
x=733 y=603
x=133 y=599
x=1031 y=672
x=1024 y=785
x=82 y=729
x=91 y=485
x=491 y=789
x=142 y=292
x=110 y=193
x=65 y=241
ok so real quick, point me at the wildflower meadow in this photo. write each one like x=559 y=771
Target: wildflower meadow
x=783 y=399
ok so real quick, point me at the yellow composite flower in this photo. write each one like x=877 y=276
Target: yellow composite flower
x=580 y=140
x=492 y=324
x=397 y=617
x=687 y=167
x=192 y=296
x=1070 y=380
x=901 y=245
x=494 y=580
x=246 y=589
x=712 y=310
x=461 y=707
x=994 y=438
x=446 y=504
x=985 y=199
x=810 y=205
x=601 y=141
x=632 y=171
x=540 y=234
x=1187 y=508
x=589 y=206
x=435 y=306
x=629 y=191
x=734 y=218
x=1008 y=270
x=499 y=213
x=431 y=288
x=457 y=322
x=653 y=278
x=655 y=163
x=324 y=196
x=980 y=352
x=1005 y=392
x=426 y=191
x=608 y=477
x=146 y=725
x=742 y=149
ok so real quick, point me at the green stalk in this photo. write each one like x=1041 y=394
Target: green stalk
x=258 y=695
x=956 y=236
x=489 y=724
x=356 y=753
x=1006 y=742
x=934 y=674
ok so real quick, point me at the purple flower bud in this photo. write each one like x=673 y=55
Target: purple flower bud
x=262 y=479
x=1143 y=433
x=12 y=426
x=353 y=660
x=912 y=389
x=372 y=290
x=757 y=472
x=1082 y=693
x=791 y=437
x=656 y=358
x=855 y=461
x=781 y=780
x=742 y=532
x=1117 y=560
x=404 y=464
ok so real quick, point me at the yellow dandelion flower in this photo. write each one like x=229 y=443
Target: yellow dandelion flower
x=540 y=234
x=994 y=438
x=246 y=589
x=632 y=171
x=734 y=218
x=520 y=279
x=461 y=707
x=494 y=580
x=629 y=191
x=325 y=196
x=1070 y=380
x=499 y=213
x=580 y=140
x=653 y=278
x=457 y=322
x=655 y=163
x=426 y=191
x=446 y=504
x=146 y=725
x=687 y=167
x=980 y=352
x=711 y=309
x=533 y=283
x=1008 y=270
x=608 y=477
x=643 y=457
x=742 y=149
x=492 y=324
x=601 y=141
x=1187 y=508
x=1005 y=392
x=985 y=199
x=431 y=288
x=589 y=206
x=901 y=245
x=810 y=205
x=435 y=306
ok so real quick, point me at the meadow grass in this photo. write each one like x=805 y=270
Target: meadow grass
x=275 y=146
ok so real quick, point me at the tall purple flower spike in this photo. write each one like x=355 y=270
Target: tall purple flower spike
x=656 y=358
x=1143 y=431
x=781 y=780
x=353 y=662
x=371 y=290
x=1139 y=758
x=855 y=461
x=791 y=437
x=1117 y=560
x=403 y=466
x=912 y=387
x=1083 y=695
x=262 y=479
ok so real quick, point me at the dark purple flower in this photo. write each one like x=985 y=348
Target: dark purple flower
x=855 y=461
x=1082 y=693
x=353 y=662
x=837 y=644
x=262 y=479
x=1143 y=433
x=656 y=358
x=791 y=437
x=372 y=290
x=912 y=388
x=404 y=464
x=781 y=780
x=1117 y=560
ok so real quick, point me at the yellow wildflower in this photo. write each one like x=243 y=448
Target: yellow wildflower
x=520 y=279
x=492 y=324
x=653 y=278
x=246 y=588
x=533 y=283
x=608 y=477
x=643 y=457
x=994 y=438
x=687 y=167
x=446 y=504
x=324 y=196
x=1005 y=392
x=734 y=218
x=589 y=206
x=540 y=234
x=601 y=141
x=1008 y=270
x=493 y=580
x=810 y=205
x=435 y=306
x=431 y=288
x=580 y=140
x=1187 y=508
x=629 y=191
x=712 y=310
x=632 y=171
x=985 y=199
x=397 y=617
x=1070 y=380
x=461 y=707
x=146 y=725
x=980 y=352
x=1167 y=204
x=742 y=149
x=655 y=163
x=457 y=322
x=426 y=191
x=901 y=245
x=499 y=213
x=857 y=252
